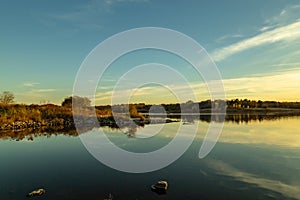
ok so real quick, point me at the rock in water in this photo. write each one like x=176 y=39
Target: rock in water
x=160 y=187
x=38 y=192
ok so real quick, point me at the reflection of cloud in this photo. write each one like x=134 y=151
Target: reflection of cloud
x=274 y=185
x=289 y=32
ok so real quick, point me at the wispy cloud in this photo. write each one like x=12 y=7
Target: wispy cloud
x=30 y=84
x=40 y=95
x=289 y=32
x=90 y=15
x=82 y=16
x=295 y=64
x=43 y=90
x=287 y=15
x=283 y=27
x=105 y=88
x=228 y=37
x=122 y=1
x=277 y=86
x=148 y=94
x=287 y=190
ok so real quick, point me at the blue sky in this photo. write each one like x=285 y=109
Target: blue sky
x=255 y=45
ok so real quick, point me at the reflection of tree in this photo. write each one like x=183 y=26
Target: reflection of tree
x=127 y=110
x=131 y=131
x=245 y=118
x=189 y=119
x=30 y=134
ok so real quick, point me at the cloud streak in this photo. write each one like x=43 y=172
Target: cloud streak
x=149 y=94
x=280 y=86
x=30 y=84
x=43 y=90
x=284 y=86
x=289 y=32
x=91 y=14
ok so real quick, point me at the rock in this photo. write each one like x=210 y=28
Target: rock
x=160 y=187
x=110 y=197
x=38 y=192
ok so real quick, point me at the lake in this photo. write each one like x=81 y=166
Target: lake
x=259 y=159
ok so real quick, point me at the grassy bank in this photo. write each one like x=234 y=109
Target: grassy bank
x=31 y=116
x=21 y=116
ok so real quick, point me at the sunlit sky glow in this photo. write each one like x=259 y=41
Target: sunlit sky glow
x=255 y=45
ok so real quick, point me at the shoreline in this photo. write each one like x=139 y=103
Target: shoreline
x=36 y=129
x=204 y=114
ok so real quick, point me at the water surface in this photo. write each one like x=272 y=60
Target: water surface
x=254 y=160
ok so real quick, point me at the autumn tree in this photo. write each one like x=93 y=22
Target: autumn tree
x=133 y=111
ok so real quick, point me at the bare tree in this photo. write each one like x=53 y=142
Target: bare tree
x=7 y=97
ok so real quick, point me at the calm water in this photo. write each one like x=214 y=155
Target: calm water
x=255 y=160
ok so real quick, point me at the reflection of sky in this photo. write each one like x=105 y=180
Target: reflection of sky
x=264 y=154
x=280 y=132
x=222 y=168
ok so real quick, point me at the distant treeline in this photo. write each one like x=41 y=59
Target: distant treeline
x=246 y=103
x=230 y=105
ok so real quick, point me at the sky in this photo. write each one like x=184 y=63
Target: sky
x=254 y=44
